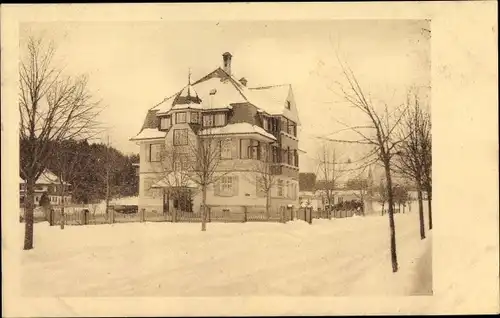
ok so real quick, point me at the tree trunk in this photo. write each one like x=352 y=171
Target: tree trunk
x=204 y=210
x=429 y=203
x=420 y=211
x=62 y=207
x=394 y=257
x=268 y=203
x=29 y=213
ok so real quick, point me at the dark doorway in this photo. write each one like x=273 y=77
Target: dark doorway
x=183 y=200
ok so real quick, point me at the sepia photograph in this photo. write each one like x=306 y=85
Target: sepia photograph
x=226 y=158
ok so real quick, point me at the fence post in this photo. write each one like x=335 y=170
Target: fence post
x=282 y=214
x=85 y=214
x=111 y=210
x=245 y=213
x=51 y=217
x=142 y=215
x=310 y=215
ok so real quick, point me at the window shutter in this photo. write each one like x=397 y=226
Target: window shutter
x=163 y=148
x=234 y=148
x=235 y=186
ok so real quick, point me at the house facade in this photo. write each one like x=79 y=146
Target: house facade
x=253 y=127
x=47 y=183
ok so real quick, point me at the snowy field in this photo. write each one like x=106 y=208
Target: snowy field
x=338 y=257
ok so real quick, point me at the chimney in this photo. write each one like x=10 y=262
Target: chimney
x=226 y=59
x=243 y=81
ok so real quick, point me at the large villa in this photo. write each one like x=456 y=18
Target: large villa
x=252 y=125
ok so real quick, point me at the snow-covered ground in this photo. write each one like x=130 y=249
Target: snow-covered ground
x=338 y=257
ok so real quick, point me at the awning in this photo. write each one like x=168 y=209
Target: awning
x=175 y=179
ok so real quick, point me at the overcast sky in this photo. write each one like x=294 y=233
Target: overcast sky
x=132 y=66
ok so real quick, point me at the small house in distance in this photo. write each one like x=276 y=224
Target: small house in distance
x=48 y=183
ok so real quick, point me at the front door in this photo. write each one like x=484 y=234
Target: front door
x=184 y=201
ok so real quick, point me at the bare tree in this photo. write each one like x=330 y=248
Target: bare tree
x=53 y=107
x=410 y=155
x=426 y=143
x=382 y=195
x=69 y=165
x=329 y=171
x=205 y=170
x=174 y=170
x=263 y=176
x=379 y=134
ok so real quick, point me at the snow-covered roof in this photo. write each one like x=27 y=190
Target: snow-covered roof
x=187 y=106
x=47 y=177
x=273 y=100
x=219 y=90
x=165 y=105
x=149 y=133
x=237 y=129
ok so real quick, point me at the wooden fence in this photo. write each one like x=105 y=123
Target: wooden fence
x=84 y=215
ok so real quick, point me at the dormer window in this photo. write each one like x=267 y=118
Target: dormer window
x=208 y=120
x=217 y=120
x=288 y=104
x=165 y=123
x=265 y=123
x=220 y=119
x=180 y=118
x=195 y=117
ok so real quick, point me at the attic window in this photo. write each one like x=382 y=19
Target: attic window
x=288 y=104
x=213 y=91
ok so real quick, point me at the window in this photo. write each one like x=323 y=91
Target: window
x=284 y=124
x=178 y=164
x=195 y=117
x=180 y=118
x=155 y=152
x=220 y=119
x=226 y=148
x=265 y=123
x=275 y=154
x=296 y=155
x=244 y=145
x=208 y=120
x=254 y=152
x=264 y=152
x=288 y=104
x=165 y=122
x=226 y=185
x=260 y=186
x=291 y=128
x=181 y=163
x=280 y=188
x=180 y=137
x=289 y=155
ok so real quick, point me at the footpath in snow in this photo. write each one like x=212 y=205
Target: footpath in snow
x=338 y=257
